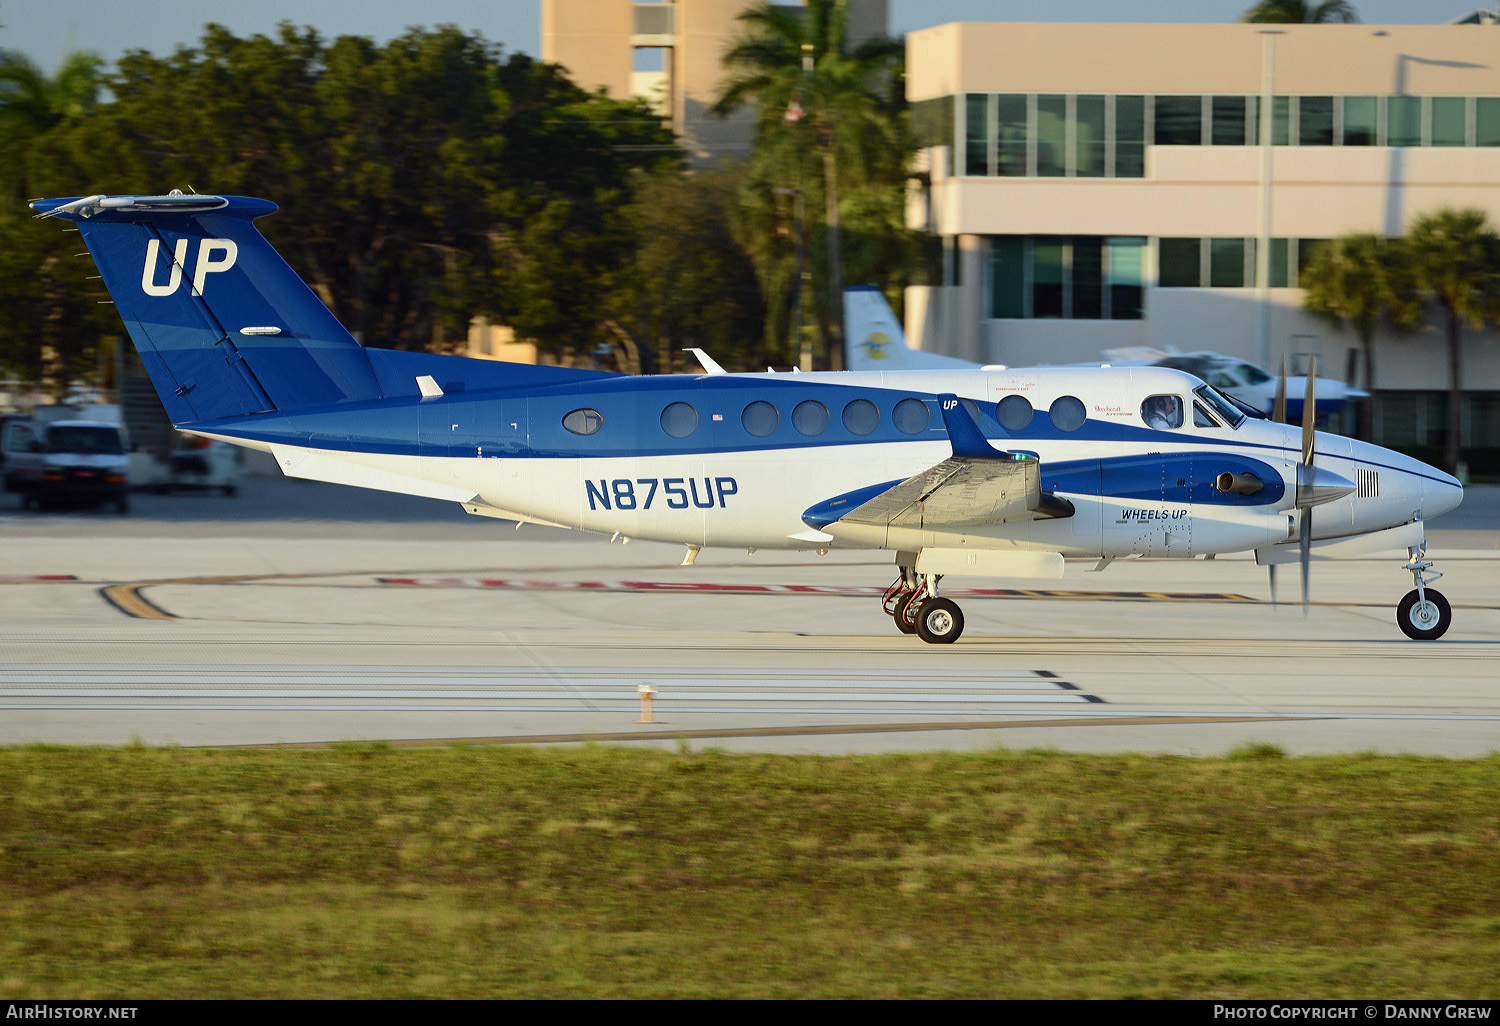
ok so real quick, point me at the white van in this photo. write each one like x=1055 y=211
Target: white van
x=74 y=462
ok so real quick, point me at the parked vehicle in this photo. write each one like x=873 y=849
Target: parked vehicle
x=71 y=461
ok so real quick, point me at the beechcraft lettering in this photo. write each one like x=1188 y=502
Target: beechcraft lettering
x=207 y=264
x=953 y=469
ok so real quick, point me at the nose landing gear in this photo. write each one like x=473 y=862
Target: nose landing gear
x=913 y=602
x=1423 y=614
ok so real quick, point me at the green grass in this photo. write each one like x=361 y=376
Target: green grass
x=380 y=872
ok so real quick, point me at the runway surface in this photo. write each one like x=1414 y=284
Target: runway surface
x=220 y=629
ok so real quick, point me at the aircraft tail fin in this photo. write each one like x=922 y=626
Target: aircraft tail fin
x=223 y=325
x=875 y=341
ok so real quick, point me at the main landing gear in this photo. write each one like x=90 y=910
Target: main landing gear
x=1423 y=613
x=913 y=602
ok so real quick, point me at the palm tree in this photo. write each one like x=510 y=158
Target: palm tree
x=1299 y=12
x=1359 y=280
x=31 y=103
x=819 y=102
x=1455 y=259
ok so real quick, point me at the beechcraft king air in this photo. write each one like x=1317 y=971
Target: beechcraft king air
x=985 y=472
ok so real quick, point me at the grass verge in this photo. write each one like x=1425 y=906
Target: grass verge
x=378 y=872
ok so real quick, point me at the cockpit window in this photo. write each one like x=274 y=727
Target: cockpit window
x=1162 y=411
x=1223 y=408
x=1254 y=374
x=1202 y=419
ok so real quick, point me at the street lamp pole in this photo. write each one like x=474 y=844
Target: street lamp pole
x=794 y=326
x=1263 y=239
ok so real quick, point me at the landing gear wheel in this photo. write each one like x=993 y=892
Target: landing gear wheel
x=906 y=613
x=1424 y=620
x=939 y=621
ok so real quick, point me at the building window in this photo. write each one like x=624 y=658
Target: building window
x=1179 y=263
x=1361 y=121
x=1051 y=136
x=1487 y=121
x=1230 y=124
x=1226 y=263
x=1179 y=121
x=1315 y=120
x=1074 y=277
x=1403 y=122
x=1450 y=121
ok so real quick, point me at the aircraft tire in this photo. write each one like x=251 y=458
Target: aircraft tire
x=939 y=621
x=905 y=616
x=1424 y=621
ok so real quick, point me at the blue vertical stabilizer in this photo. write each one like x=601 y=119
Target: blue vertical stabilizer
x=223 y=325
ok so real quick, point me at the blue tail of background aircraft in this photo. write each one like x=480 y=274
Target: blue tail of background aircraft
x=226 y=328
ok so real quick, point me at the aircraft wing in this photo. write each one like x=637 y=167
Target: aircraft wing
x=978 y=484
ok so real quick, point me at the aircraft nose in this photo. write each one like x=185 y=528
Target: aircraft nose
x=1440 y=493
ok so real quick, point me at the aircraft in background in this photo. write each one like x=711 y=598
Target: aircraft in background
x=984 y=472
x=876 y=341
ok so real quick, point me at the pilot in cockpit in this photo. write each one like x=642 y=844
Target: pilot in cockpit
x=1162 y=411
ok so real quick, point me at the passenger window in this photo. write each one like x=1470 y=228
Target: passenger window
x=861 y=417
x=1014 y=413
x=1201 y=417
x=1067 y=413
x=810 y=417
x=760 y=419
x=911 y=416
x=584 y=422
x=1162 y=411
x=679 y=420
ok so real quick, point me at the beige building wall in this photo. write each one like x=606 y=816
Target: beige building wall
x=1202 y=191
x=596 y=41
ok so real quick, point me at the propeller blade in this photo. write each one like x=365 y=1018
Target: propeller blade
x=1306 y=555
x=1309 y=411
x=1278 y=409
x=1271 y=570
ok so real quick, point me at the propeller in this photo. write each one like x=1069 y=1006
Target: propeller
x=1278 y=415
x=1309 y=411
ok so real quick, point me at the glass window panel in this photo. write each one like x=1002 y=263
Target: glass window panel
x=1315 y=120
x=911 y=416
x=1280 y=263
x=1130 y=136
x=1449 y=121
x=1051 y=136
x=1014 y=412
x=1089 y=137
x=1487 y=121
x=1007 y=276
x=1125 y=256
x=1047 y=277
x=679 y=420
x=810 y=417
x=583 y=422
x=1229 y=121
x=1403 y=123
x=760 y=419
x=1360 y=121
x=1068 y=413
x=1011 y=131
x=1179 y=120
x=861 y=417
x=1226 y=263
x=976 y=134
x=1281 y=120
x=932 y=121
x=1178 y=263
x=1088 y=277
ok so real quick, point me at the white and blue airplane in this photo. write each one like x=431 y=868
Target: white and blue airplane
x=985 y=472
x=876 y=341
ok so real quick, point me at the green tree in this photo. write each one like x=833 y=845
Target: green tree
x=422 y=181
x=831 y=124
x=1455 y=260
x=1358 y=281
x=49 y=320
x=1300 y=12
